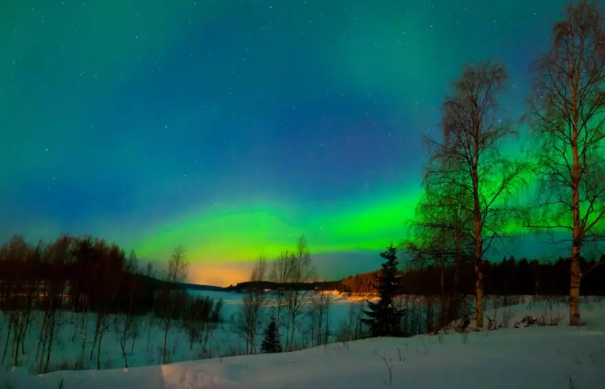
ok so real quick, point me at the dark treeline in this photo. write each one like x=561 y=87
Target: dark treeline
x=505 y=278
x=81 y=273
x=86 y=276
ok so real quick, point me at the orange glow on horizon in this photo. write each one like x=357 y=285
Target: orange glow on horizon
x=219 y=274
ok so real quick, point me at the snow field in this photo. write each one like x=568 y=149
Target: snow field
x=535 y=357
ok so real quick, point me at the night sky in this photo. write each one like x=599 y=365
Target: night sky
x=233 y=127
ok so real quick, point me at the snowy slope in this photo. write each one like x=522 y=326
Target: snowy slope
x=534 y=357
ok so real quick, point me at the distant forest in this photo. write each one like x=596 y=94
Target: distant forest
x=507 y=277
x=84 y=273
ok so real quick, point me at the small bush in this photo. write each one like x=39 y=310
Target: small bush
x=549 y=318
x=527 y=321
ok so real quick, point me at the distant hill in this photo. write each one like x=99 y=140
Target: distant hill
x=324 y=285
x=156 y=283
x=202 y=287
x=242 y=286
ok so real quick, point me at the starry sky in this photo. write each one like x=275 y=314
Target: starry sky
x=233 y=127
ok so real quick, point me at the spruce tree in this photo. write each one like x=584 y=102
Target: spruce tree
x=382 y=316
x=271 y=343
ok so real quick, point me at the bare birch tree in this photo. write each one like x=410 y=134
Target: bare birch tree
x=470 y=163
x=253 y=302
x=279 y=275
x=299 y=271
x=129 y=327
x=319 y=315
x=567 y=118
x=177 y=272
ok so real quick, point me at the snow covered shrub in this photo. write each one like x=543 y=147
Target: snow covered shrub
x=527 y=321
x=555 y=320
x=549 y=318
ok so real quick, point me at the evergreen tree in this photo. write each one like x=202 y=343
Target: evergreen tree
x=382 y=316
x=271 y=343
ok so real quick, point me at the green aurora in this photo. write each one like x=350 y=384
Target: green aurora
x=234 y=127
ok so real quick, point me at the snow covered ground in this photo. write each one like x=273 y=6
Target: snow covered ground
x=72 y=347
x=534 y=357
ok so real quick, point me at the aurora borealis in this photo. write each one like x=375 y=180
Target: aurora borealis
x=233 y=127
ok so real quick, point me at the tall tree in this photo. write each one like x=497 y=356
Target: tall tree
x=469 y=161
x=382 y=316
x=567 y=113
